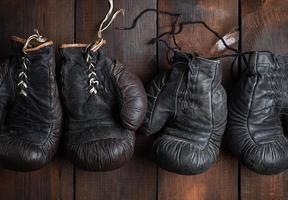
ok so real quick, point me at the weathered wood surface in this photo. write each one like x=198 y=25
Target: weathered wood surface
x=264 y=27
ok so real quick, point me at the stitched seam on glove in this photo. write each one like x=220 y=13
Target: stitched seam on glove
x=155 y=102
x=251 y=102
x=211 y=104
x=176 y=96
x=113 y=67
x=49 y=85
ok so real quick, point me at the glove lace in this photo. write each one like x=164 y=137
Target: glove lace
x=190 y=84
x=92 y=76
x=22 y=84
x=275 y=78
x=25 y=62
x=100 y=40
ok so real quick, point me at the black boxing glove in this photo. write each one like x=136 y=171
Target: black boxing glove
x=30 y=111
x=104 y=105
x=187 y=107
x=258 y=111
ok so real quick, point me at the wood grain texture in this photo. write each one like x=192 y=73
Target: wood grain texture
x=221 y=180
x=264 y=28
x=55 y=181
x=137 y=179
x=220 y=15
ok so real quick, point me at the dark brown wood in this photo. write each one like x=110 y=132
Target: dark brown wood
x=137 y=179
x=264 y=28
x=55 y=181
x=221 y=180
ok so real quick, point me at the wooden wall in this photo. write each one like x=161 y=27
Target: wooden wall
x=263 y=26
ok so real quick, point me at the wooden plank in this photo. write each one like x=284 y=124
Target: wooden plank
x=264 y=27
x=55 y=181
x=221 y=180
x=137 y=179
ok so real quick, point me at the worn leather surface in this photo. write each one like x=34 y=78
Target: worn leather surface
x=30 y=125
x=258 y=110
x=99 y=128
x=187 y=108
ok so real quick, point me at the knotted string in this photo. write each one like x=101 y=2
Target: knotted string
x=23 y=77
x=237 y=54
x=174 y=31
x=35 y=36
x=100 y=41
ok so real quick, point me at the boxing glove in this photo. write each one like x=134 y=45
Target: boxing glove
x=258 y=110
x=104 y=104
x=187 y=108
x=30 y=111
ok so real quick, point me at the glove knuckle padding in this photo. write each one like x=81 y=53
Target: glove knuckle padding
x=190 y=139
x=132 y=95
x=256 y=110
x=157 y=114
x=31 y=130
x=99 y=127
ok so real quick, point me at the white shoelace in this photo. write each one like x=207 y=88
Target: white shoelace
x=100 y=41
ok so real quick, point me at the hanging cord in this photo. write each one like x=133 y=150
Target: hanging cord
x=174 y=31
x=185 y=23
x=171 y=32
x=135 y=21
x=181 y=25
x=100 y=41
x=93 y=47
x=157 y=39
x=173 y=25
x=237 y=54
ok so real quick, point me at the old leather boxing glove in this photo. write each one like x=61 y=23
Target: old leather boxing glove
x=104 y=104
x=258 y=111
x=30 y=111
x=187 y=107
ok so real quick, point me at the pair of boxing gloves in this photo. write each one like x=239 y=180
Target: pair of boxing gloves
x=104 y=104
x=187 y=106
